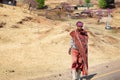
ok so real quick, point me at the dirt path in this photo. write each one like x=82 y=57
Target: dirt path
x=95 y=73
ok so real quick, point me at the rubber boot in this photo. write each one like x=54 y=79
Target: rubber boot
x=74 y=75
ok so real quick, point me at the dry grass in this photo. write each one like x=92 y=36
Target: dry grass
x=39 y=46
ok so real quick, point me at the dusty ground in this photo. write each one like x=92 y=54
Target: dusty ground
x=32 y=46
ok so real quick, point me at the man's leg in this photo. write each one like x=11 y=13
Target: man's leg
x=74 y=64
x=74 y=74
x=78 y=75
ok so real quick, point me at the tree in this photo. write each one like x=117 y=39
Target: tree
x=41 y=3
x=102 y=3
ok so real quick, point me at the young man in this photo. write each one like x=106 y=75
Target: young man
x=79 y=51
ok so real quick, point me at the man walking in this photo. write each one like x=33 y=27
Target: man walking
x=79 y=51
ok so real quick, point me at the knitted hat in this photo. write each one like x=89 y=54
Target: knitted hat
x=79 y=24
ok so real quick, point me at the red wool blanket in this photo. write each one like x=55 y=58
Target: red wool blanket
x=81 y=39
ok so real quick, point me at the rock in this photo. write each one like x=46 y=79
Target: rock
x=10 y=71
x=2 y=24
x=14 y=26
x=20 y=22
x=60 y=74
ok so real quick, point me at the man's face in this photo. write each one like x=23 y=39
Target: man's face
x=79 y=28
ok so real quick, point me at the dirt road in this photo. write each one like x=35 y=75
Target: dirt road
x=106 y=71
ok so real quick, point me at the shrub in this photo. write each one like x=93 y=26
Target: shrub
x=102 y=3
x=87 y=1
x=41 y=3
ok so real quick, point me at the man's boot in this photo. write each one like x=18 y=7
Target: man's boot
x=74 y=75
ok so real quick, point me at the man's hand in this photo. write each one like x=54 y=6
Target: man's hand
x=69 y=52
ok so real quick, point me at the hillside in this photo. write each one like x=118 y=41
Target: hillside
x=33 y=46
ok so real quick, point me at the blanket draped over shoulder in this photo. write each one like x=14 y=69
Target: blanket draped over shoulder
x=80 y=39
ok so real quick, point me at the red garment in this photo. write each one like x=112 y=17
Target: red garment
x=80 y=56
x=77 y=59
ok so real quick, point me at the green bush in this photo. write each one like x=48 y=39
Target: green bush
x=41 y=3
x=87 y=1
x=102 y=3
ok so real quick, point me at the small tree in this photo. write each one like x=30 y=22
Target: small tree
x=102 y=3
x=41 y=3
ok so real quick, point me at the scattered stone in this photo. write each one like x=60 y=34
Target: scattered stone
x=2 y=24
x=5 y=15
x=60 y=74
x=27 y=19
x=10 y=71
x=20 y=22
x=107 y=66
x=14 y=26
